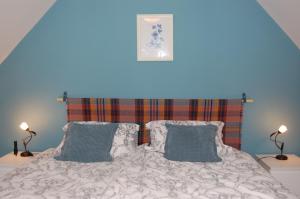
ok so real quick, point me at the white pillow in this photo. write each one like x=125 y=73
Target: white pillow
x=125 y=139
x=158 y=132
x=124 y=142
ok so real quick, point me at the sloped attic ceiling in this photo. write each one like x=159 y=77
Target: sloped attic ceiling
x=17 y=18
x=286 y=13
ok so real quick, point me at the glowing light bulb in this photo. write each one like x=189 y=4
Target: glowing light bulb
x=24 y=126
x=282 y=129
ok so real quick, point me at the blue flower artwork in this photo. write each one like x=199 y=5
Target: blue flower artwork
x=156 y=38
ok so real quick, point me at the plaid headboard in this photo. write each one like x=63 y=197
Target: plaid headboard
x=141 y=111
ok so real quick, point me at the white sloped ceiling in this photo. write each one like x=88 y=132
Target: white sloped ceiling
x=286 y=13
x=17 y=18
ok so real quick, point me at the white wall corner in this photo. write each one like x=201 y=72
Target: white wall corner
x=17 y=18
x=286 y=13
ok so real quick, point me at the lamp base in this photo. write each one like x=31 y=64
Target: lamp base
x=281 y=157
x=26 y=154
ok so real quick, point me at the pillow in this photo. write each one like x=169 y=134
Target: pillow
x=158 y=132
x=191 y=143
x=88 y=143
x=124 y=142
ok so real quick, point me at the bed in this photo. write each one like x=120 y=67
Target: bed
x=144 y=172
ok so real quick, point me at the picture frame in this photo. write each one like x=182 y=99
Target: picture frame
x=155 y=37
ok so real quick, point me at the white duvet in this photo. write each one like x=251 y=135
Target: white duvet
x=143 y=174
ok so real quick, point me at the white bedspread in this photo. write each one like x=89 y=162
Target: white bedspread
x=142 y=175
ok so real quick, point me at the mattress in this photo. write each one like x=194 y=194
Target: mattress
x=143 y=174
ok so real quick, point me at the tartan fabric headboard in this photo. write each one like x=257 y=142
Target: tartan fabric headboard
x=141 y=111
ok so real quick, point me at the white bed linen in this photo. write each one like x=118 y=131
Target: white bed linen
x=143 y=174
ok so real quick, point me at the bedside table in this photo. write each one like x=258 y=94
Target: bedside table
x=9 y=162
x=285 y=171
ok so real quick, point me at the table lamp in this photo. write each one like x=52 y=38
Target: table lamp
x=24 y=126
x=280 y=145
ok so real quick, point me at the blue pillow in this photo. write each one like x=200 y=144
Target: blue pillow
x=191 y=143
x=88 y=143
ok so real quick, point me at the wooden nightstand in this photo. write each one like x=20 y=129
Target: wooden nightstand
x=285 y=171
x=9 y=162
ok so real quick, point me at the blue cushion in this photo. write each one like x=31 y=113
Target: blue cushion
x=88 y=143
x=191 y=143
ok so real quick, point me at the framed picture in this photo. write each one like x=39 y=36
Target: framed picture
x=155 y=37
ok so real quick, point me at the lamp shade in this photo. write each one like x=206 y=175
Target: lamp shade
x=282 y=129
x=24 y=126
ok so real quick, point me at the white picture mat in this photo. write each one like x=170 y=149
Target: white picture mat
x=160 y=47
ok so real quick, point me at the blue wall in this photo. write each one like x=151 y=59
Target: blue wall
x=88 y=48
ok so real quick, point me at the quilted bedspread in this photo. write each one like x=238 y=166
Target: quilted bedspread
x=143 y=174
